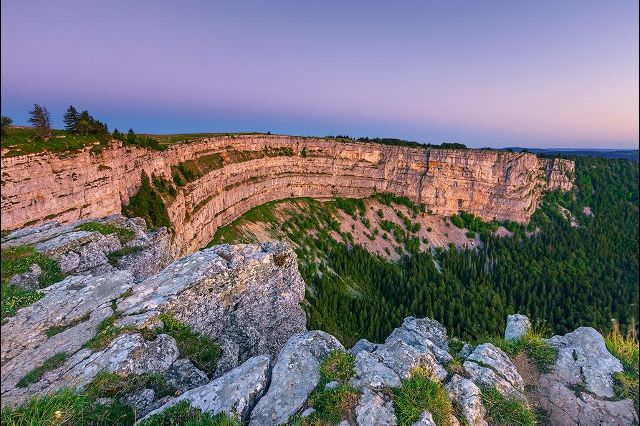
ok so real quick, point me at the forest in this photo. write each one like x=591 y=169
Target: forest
x=549 y=270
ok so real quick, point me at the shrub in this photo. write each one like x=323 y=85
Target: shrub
x=183 y=413
x=503 y=411
x=36 y=374
x=124 y=235
x=420 y=393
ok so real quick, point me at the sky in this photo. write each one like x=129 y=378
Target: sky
x=535 y=73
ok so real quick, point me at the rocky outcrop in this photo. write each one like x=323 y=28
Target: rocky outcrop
x=579 y=390
x=235 y=393
x=72 y=186
x=81 y=252
x=295 y=374
x=248 y=295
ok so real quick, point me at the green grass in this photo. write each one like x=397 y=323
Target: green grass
x=36 y=374
x=115 y=256
x=338 y=366
x=335 y=404
x=124 y=235
x=67 y=407
x=508 y=412
x=184 y=414
x=533 y=345
x=18 y=260
x=625 y=348
x=112 y=385
x=20 y=141
x=191 y=170
x=57 y=329
x=201 y=350
x=107 y=331
x=420 y=393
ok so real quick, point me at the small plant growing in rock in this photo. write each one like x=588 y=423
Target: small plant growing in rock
x=503 y=411
x=333 y=403
x=112 y=385
x=36 y=374
x=124 y=235
x=420 y=393
x=201 y=350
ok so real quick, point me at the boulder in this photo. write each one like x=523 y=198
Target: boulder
x=490 y=366
x=372 y=373
x=363 y=345
x=583 y=357
x=426 y=419
x=29 y=280
x=469 y=398
x=424 y=334
x=374 y=409
x=246 y=294
x=183 y=375
x=234 y=393
x=295 y=374
x=568 y=406
x=517 y=327
x=404 y=358
x=579 y=388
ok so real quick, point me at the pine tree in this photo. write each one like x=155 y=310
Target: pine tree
x=5 y=121
x=40 y=119
x=71 y=119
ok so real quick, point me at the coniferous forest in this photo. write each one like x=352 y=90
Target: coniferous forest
x=549 y=270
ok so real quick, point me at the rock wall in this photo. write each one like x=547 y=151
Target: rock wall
x=72 y=186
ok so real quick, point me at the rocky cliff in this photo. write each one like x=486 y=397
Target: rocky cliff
x=246 y=171
x=246 y=298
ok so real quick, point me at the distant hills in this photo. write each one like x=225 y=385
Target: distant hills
x=628 y=154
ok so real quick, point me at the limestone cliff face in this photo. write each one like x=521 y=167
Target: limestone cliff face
x=67 y=187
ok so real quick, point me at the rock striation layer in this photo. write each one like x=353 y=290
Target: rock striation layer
x=72 y=186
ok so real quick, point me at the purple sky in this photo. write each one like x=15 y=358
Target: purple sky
x=533 y=73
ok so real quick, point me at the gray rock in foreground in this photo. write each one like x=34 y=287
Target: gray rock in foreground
x=578 y=390
x=295 y=374
x=517 y=327
x=234 y=393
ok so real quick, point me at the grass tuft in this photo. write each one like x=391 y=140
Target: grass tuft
x=112 y=385
x=67 y=407
x=532 y=344
x=420 y=393
x=625 y=348
x=201 y=350
x=338 y=366
x=124 y=235
x=507 y=412
x=36 y=374
x=57 y=329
